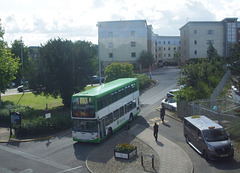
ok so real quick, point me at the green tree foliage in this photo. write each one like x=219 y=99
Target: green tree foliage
x=63 y=68
x=118 y=70
x=20 y=50
x=200 y=78
x=177 y=58
x=234 y=64
x=211 y=52
x=8 y=65
x=145 y=59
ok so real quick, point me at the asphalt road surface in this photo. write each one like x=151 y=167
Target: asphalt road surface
x=61 y=154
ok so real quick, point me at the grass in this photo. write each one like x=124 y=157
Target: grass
x=36 y=102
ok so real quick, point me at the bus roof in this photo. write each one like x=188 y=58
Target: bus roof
x=107 y=87
x=202 y=122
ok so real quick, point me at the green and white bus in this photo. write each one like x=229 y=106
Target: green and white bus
x=100 y=111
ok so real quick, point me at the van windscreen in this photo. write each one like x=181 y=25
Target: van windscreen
x=213 y=135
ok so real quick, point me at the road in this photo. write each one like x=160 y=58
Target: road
x=61 y=154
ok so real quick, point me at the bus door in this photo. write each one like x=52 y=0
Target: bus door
x=102 y=128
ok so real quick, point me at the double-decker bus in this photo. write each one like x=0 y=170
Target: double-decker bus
x=100 y=111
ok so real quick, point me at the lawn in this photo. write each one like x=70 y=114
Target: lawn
x=36 y=102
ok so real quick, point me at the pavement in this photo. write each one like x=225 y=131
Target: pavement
x=171 y=157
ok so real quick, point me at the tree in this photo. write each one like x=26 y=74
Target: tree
x=177 y=58
x=8 y=65
x=21 y=51
x=211 y=52
x=234 y=63
x=200 y=78
x=145 y=59
x=63 y=68
x=117 y=70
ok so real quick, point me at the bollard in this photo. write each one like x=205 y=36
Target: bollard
x=146 y=155
x=152 y=161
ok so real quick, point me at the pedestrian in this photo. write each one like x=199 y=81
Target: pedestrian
x=162 y=113
x=155 y=131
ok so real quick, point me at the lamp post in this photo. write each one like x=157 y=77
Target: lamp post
x=22 y=64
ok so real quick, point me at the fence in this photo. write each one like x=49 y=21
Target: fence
x=219 y=88
x=225 y=111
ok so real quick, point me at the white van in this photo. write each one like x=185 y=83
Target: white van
x=207 y=138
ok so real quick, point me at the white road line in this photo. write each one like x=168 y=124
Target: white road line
x=70 y=169
x=5 y=170
x=35 y=158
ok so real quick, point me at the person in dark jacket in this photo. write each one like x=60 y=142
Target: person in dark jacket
x=155 y=131
x=162 y=113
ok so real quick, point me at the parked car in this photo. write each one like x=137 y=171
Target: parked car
x=95 y=80
x=169 y=104
x=26 y=87
x=170 y=94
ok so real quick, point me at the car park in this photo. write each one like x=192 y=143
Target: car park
x=169 y=104
x=207 y=137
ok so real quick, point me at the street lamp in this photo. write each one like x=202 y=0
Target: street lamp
x=22 y=64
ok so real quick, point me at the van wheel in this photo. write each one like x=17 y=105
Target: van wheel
x=205 y=155
x=109 y=132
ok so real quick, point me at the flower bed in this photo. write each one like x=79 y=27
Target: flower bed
x=125 y=151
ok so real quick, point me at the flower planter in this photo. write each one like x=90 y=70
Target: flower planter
x=125 y=154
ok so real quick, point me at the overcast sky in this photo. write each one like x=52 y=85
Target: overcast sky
x=37 y=21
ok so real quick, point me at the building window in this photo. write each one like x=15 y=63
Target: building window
x=174 y=48
x=210 y=32
x=169 y=55
x=159 y=48
x=195 y=52
x=133 y=33
x=169 y=48
x=110 y=45
x=133 y=54
x=163 y=42
x=110 y=55
x=133 y=44
x=110 y=34
x=195 y=41
x=164 y=48
x=195 y=31
x=210 y=41
x=168 y=42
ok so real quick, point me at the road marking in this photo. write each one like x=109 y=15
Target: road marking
x=157 y=120
x=70 y=169
x=5 y=170
x=35 y=158
x=26 y=171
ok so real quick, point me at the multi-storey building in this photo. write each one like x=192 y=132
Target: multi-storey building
x=196 y=37
x=123 y=41
x=165 y=48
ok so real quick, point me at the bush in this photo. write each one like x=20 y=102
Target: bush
x=34 y=122
x=144 y=81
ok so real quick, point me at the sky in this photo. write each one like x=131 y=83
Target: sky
x=38 y=21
